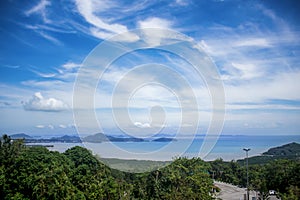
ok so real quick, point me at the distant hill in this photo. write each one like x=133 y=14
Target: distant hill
x=96 y=138
x=100 y=137
x=291 y=149
x=125 y=139
x=67 y=138
x=20 y=136
x=163 y=139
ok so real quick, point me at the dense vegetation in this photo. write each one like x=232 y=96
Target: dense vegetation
x=37 y=173
x=134 y=166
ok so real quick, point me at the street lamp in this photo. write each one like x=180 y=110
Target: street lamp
x=247 y=149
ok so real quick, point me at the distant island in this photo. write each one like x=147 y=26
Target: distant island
x=95 y=138
x=100 y=137
x=164 y=139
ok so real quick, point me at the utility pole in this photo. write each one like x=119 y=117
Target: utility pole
x=246 y=150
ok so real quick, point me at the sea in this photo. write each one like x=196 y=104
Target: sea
x=226 y=147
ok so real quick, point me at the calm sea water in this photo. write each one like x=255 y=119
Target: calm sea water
x=226 y=147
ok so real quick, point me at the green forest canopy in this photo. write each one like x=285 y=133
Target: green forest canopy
x=37 y=173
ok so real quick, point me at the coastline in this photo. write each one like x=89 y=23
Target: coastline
x=227 y=148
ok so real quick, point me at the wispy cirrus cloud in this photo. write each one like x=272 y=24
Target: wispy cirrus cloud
x=49 y=27
x=10 y=66
x=49 y=37
x=258 y=59
x=253 y=42
x=40 y=8
x=101 y=29
x=43 y=75
x=103 y=26
x=257 y=64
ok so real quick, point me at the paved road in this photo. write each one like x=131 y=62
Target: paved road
x=232 y=192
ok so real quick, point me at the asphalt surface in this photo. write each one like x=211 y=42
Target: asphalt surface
x=232 y=192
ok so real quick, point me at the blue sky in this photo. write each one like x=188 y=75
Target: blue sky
x=255 y=46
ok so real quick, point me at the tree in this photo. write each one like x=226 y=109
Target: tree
x=183 y=179
x=90 y=176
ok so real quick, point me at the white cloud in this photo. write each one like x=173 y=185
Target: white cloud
x=39 y=8
x=39 y=103
x=142 y=125
x=155 y=22
x=71 y=66
x=103 y=14
x=135 y=6
x=126 y=37
x=62 y=126
x=43 y=30
x=49 y=37
x=44 y=75
x=247 y=71
x=44 y=84
x=280 y=86
x=49 y=126
x=63 y=79
x=100 y=34
x=182 y=2
x=48 y=27
x=241 y=57
x=256 y=68
x=40 y=126
x=10 y=66
x=258 y=42
x=155 y=30
x=102 y=27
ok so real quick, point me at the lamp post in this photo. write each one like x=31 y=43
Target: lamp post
x=246 y=150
